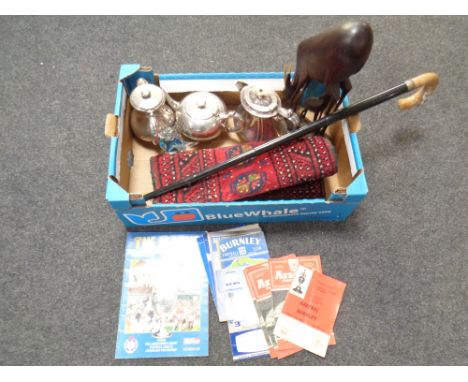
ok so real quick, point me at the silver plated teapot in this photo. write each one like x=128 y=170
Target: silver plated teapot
x=260 y=115
x=151 y=119
x=200 y=116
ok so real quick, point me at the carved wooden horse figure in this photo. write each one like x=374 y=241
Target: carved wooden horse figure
x=330 y=58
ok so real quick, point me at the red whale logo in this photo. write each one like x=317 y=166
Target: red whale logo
x=184 y=216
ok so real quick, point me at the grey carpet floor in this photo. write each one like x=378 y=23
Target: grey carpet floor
x=403 y=253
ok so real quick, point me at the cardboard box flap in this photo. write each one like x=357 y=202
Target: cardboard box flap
x=359 y=185
x=354 y=124
x=137 y=200
x=218 y=82
x=110 y=127
x=116 y=196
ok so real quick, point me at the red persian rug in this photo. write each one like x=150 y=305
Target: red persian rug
x=291 y=171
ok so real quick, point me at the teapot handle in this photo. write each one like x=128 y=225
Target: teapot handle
x=153 y=126
x=223 y=117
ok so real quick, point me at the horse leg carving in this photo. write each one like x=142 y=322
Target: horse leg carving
x=332 y=95
x=314 y=105
x=345 y=87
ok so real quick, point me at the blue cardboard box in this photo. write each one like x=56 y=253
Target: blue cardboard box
x=129 y=178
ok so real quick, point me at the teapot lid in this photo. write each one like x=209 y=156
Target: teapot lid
x=260 y=102
x=147 y=97
x=202 y=105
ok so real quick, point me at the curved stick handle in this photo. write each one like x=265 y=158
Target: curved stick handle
x=425 y=85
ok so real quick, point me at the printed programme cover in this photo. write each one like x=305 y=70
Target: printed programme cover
x=310 y=310
x=164 y=304
x=230 y=252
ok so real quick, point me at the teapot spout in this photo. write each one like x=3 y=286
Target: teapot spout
x=224 y=115
x=240 y=85
x=290 y=116
x=175 y=105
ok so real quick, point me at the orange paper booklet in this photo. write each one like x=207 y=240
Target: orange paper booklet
x=310 y=310
x=258 y=281
x=282 y=271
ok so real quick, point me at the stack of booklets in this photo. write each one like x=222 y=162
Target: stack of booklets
x=226 y=254
x=273 y=306
x=296 y=304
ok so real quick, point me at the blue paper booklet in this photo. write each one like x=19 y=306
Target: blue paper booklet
x=164 y=304
x=226 y=255
x=208 y=264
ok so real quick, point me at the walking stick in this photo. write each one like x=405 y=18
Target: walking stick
x=424 y=85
